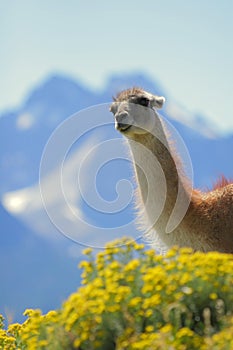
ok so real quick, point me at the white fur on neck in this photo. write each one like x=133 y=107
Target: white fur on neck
x=156 y=203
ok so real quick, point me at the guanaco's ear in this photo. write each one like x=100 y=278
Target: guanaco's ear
x=158 y=101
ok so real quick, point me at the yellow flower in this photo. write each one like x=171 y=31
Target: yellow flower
x=132 y=265
x=151 y=253
x=172 y=252
x=185 y=251
x=77 y=343
x=138 y=246
x=148 y=312
x=147 y=288
x=114 y=308
x=213 y=296
x=130 y=278
x=152 y=301
x=184 y=332
x=149 y=329
x=114 y=265
x=97 y=282
x=166 y=329
x=185 y=277
x=86 y=265
x=14 y=328
x=32 y=313
x=87 y=251
x=42 y=343
x=135 y=301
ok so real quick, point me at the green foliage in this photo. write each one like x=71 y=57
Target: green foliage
x=133 y=299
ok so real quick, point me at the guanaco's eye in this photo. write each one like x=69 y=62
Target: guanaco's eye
x=143 y=101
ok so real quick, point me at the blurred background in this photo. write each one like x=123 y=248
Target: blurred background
x=58 y=58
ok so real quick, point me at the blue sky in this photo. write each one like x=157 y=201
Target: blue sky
x=186 y=45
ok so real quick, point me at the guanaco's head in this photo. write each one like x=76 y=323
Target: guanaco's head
x=134 y=111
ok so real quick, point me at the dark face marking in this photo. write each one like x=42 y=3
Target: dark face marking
x=143 y=101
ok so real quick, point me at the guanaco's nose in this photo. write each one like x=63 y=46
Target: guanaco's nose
x=122 y=121
x=121 y=118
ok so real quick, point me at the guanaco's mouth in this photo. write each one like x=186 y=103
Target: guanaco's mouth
x=123 y=127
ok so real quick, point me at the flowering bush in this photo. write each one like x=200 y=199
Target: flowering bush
x=133 y=299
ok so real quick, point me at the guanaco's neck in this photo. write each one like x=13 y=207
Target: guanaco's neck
x=157 y=175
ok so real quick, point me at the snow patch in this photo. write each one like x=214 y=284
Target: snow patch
x=25 y=121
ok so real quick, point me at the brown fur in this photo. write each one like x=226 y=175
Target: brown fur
x=222 y=182
x=126 y=94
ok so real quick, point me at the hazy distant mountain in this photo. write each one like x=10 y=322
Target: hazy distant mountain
x=40 y=272
x=34 y=273
x=24 y=133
